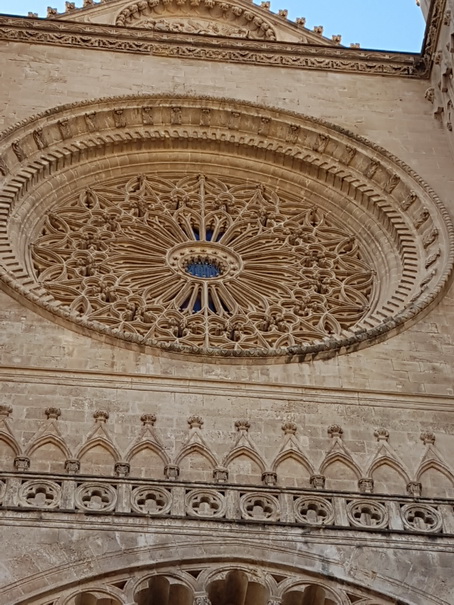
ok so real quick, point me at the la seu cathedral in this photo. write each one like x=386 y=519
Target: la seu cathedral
x=227 y=315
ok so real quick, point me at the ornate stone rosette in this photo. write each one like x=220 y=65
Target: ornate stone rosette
x=220 y=228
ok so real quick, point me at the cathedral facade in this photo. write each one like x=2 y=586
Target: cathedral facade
x=226 y=260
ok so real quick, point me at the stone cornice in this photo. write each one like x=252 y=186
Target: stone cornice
x=257 y=52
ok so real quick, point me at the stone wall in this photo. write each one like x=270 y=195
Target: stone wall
x=376 y=421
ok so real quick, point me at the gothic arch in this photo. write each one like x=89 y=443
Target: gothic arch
x=384 y=463
x=248 y=454
x=104 y=462
x=141 y=448
x=54 y=440
x=210 y=576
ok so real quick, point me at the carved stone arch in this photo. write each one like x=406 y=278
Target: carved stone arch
x=96 y=595
x=54 y=439
x=196 y=472
x=298 y=569
x=237 y=586
x=55 y=450
x=300 y=460
x=140 y=449
x=244 y=473
x=165 y=589
x=384 y=463
x=9 y=448
x=339 y=480
x=105 y=456
x=214 y=573
x=310 y=594
x=388 y=204
x=209 y=18
x=429 y=474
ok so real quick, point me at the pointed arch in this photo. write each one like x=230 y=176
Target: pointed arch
x=389 y=476
x=147 y=459
x=97 y=457
x=58 y=442
x=99 y=441
x=244 y=451
x=11 y=443
x=293 y=469
x=196 y=462
x=48 y=454
x=434 y=464
x=341 y=472
x=150 y=445
x=199 y=448
x=244 y=465
x=292 y=454
x=436 y=479
x=342 y=458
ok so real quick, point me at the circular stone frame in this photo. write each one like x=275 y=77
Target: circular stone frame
x=402 y=225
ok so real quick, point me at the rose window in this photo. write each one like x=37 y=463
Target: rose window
x=203 y=262
x=218 y=227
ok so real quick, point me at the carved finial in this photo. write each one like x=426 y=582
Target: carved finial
x=195 y=422
x=318 y=29
x=53 y=413
x=289 y=428
x=337 y=38
x=301 y=21
x=148 y=419
x=381 y=435
x=355 y=45
x=266 y=4
x=427 y=438
x=70 y=6
x=51 y=12
x=283 y=13
x=5 y=410
x=242 y=426
x=101 y=416
x=33 y=15
x=88 y=3
x=335 y=431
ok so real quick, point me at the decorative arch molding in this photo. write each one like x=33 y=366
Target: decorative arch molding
x=198 y=577
x=401 y=230
x=210 y=17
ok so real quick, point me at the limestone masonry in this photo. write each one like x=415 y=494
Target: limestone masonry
x=226 y=259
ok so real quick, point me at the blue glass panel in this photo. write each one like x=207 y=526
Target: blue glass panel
x=203 y=268
x=197 y=304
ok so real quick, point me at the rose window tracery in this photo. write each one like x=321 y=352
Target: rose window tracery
x=301 y=241
x=203 y=262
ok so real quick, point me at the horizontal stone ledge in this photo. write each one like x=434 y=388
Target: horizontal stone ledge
x=255 y=504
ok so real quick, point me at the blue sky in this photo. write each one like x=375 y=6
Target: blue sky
x=381 y=24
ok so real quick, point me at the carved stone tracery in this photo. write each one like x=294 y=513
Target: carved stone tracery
x=203 y=263
x=330 y=311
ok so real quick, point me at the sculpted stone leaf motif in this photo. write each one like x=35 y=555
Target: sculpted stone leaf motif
x=203 y=263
